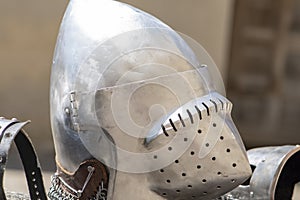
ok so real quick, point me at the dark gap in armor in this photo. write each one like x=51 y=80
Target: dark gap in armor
x=289 y=176
x=247 y=182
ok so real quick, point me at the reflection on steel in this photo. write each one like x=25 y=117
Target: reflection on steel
x=144 y=100
x=11 y=131
x=275 y=173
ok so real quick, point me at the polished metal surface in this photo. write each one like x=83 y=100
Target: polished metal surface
x=275 y=173
x=144 y=100
x=11 y=132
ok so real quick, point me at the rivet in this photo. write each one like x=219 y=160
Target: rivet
x=14 y=119
x=67 y=110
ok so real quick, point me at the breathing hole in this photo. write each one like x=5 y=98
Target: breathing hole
x=176 y=161
x=162 y=171
x=185 y=139
x=170 y=148
x=192 y=153
x=168 y=181
x=214 y=125
x=190 y=186
x=228 y=150
x=222 y=137
x=233 y=180
x=219 y=173
x=214 y=158
x=234 y=165
x=155 y=156
x=199 y=131
x=218 y=187
x=183 y=174
x=164 y=194
x=204 y=180
x=178 y=191
x=198 y=166
x=207 y=144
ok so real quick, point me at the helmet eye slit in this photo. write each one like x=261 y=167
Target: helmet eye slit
x=216 y=107
x=207 y=109
x=199 y=112
x=190 y=115
x=164 y=130
x=173 y=125
x=181 y=120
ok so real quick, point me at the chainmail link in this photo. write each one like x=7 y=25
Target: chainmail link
x=56 y=192
x=16 y=196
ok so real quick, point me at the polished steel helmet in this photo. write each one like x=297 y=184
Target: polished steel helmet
x=138 y=111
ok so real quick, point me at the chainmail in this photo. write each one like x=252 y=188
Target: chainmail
x=56 y=192
x=16 y=196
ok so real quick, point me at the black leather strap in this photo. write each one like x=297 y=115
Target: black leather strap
x=14 y=132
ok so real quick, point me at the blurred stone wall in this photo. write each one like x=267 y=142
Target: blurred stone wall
x=28 y=31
